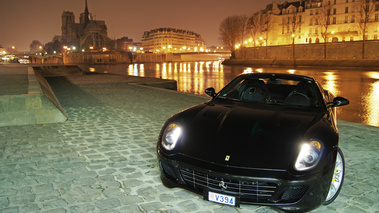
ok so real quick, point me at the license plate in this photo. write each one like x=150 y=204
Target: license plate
x=221 y=198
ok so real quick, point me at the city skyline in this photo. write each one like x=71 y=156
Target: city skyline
x=24 y=21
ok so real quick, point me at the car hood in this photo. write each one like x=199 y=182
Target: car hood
x=246 y=136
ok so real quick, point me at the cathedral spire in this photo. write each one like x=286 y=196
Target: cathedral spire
x=86 y=14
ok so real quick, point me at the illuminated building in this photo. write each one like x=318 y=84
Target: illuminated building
x=311 y=16
x=172 y=40
x=2 y=51
x=87 y=33
x=127 y=45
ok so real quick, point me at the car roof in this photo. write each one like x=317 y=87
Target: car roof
x=279 y=75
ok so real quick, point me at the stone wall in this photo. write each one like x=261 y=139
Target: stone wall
x=340 y=50
x=117 y=58
x=178 y=57
x=96 y=58
x=38 y=106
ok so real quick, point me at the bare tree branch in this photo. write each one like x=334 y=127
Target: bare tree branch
x=365 y=10
x=232 y=31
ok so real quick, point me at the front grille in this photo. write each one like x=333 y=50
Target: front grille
x=247 y=190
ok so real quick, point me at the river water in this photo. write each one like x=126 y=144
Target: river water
x=359 y=85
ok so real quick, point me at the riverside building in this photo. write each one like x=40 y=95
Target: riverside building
x=314 y=21
x=171 y=40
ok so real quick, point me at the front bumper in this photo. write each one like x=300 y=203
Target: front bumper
x=298 y=195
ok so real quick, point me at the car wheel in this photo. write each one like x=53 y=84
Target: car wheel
x=337 y=180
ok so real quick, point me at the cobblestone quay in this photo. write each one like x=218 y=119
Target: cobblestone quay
x=103 y=158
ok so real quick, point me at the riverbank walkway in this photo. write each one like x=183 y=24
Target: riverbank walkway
x=103 y=158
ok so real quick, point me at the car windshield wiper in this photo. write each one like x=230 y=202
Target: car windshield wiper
x=273 y=102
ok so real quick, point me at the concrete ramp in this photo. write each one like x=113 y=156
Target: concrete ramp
x=36 y=106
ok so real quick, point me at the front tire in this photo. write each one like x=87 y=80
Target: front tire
x=337 y=180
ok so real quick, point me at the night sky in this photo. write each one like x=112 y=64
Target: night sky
x=22 y=21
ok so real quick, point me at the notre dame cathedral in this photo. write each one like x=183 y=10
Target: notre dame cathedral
x=85 y=34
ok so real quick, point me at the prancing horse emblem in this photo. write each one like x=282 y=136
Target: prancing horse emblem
x=227 y=158
x=223 y=185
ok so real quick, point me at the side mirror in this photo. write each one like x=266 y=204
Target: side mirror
x=210 y=91
x=339 y=101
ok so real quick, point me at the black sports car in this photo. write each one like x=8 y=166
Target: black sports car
x=264 y=139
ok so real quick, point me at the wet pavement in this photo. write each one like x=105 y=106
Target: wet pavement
x=103 y=158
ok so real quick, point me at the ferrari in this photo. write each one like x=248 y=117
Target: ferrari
x=264 y=139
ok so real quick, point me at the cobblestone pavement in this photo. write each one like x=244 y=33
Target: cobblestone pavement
x=103 y=158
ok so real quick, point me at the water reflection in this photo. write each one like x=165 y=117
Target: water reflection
x=191 y=77
x=330 y=83
x=360 y=86
x=371 y=100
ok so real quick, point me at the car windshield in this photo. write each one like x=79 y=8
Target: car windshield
x=289 y=92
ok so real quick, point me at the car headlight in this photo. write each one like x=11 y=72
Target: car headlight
x=171 y=136
x=309 y=156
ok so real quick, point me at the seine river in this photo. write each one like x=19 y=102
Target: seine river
x=359 y=85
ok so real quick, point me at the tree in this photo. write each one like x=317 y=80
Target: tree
x=232 y=31
x=323 y=18
x=266 y=27
x=55 y=46
x=293 y=25
x=255 y=28
x=365 y=10
x=35 y=46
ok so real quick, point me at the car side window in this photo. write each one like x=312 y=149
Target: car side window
x=235 y=90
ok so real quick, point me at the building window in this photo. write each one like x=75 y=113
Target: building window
x=375 y=37
x=352 y=20
x=334 y=20
x=283 y=30
x=310 y=22
x=347 y=1
x=334 y=11
x=328 y=12
x=376 y=17
x=316 y=12
x=346 y=19
x=299 y=28
x=299 y=18
x=377 y=7
x=316 y=31
x=346 y=9
x=311 y=12
x=335 y=1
